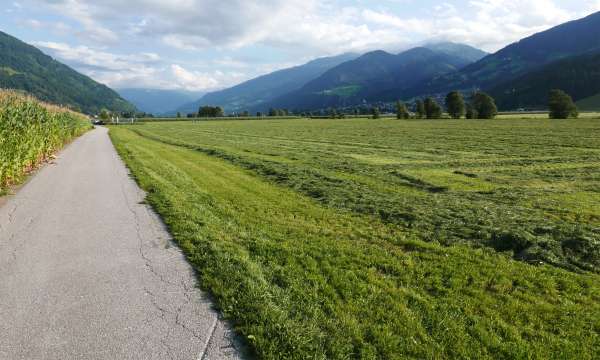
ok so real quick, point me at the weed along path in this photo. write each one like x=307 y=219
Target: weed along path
x=87 y=271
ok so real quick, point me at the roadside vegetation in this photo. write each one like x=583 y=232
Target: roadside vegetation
x=387 y=239
x=30 y=132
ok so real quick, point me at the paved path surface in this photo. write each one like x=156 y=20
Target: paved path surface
x=89 y=272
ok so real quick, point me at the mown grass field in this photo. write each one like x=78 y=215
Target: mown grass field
x=386 y=239
x=30 y=131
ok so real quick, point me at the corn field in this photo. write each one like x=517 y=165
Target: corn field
x=30 y=131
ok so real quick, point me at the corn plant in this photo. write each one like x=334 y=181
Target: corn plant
x=30 y=132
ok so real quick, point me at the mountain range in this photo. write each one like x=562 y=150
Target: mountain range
x=518 y=76
x=377 y=76
x=256 y=92
x=157 y=101
x=529 y=55
x=24 y=67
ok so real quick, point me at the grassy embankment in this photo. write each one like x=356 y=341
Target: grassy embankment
x=386 y=239
x=30 y=131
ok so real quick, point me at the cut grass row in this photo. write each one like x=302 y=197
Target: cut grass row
x=30 y=131
x=529 y=188
x=305 y=281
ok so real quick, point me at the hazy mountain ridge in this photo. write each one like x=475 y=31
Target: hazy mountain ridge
x=265 y=88
x=24 y=67
x=375 y=76
x=158 y=101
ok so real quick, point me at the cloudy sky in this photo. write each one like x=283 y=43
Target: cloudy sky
x=203 y=45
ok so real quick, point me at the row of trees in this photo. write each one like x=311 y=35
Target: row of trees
x=278 y=112
x=210 y=112
x=480 y=106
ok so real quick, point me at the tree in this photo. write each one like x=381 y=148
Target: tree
x=455 y=104
x=420 y=109
x=471 y=112
x=210 y=111
x=178 y=115
x=484 y=105
x=333 y=113
x=105 y=114
x=401 y=111
x=432 y=109
x=375 y=113
x=259 y=114
x=561 y=105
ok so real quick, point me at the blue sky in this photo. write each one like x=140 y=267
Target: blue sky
x=203 y=45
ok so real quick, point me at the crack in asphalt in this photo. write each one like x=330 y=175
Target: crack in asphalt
x=213 y=329
x=187 y=292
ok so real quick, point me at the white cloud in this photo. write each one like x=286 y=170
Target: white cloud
x=310 y=24
x=139 y=70
x=194 y=80
x=300 y=29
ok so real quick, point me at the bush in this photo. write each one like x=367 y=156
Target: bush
x=401 y=111
x=432 y=109
x=455 y=104
x=471 y=112
x=561 y=105
x=484 y=105
x=419 y=109
x=375 y=112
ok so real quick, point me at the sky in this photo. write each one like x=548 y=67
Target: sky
x=205 y=45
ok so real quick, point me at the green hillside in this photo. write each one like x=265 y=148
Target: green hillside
x=591 y=103
x=24 y=67
x=577 y=75
x=566 y=40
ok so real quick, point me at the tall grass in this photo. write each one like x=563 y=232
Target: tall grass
x=30 y=131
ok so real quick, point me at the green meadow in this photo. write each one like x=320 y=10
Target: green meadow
x=386 y=239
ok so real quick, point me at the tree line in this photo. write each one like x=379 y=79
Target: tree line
x=479 y=106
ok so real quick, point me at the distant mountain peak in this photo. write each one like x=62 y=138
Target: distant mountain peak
x=374 y=76
x=466 y=52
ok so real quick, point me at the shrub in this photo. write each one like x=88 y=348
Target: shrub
x=455 y=104
x=419 y=109
x=432 y=109
x=375 y=112
x=401 y=111
x=561 y=105
x=484 y=105
x=471 y=112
